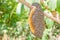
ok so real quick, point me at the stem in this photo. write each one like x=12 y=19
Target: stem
x=13 y=11
x=25 y=3
x=53 y=18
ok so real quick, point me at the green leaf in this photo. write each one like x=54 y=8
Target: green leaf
x=6 y=16
x=58 y=6
x=1 y=22
x=45 y=34
x=22 y=8
x=49 y=23
x=18 y=10
x=52 y=4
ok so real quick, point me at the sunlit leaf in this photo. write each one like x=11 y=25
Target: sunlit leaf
x=58 y=6
x=52 y=4
x=49 y=23
x=45 y=34
x=18 y=10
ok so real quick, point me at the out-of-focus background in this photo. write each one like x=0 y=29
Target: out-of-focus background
x=14 y=20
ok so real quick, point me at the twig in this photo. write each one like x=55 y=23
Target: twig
x=25 y=3
x=51 y=17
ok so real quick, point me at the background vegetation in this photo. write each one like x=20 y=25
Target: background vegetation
x=14 y=20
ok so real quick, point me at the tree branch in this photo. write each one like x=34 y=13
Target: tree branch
x=25 y=3
x=53 y=18
x=49 y=16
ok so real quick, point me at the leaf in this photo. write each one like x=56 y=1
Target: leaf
x=22 y=8
x=18 y=10
x=6 y=16
x=49 y=23
x=58 y=6
x=1 y=22
x=45 y=34
x=52 y=4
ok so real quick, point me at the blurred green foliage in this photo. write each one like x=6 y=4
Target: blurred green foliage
x=58 y=6
x=16 y=24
